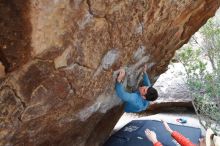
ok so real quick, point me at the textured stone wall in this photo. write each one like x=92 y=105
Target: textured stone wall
x=61 y=58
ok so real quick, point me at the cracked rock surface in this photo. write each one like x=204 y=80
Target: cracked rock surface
x=59 y=60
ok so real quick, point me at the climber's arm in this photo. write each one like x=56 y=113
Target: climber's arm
x=123 y=95
x=120 y=91
x=146 y=78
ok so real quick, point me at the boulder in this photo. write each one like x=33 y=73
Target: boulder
x=174 y=94
x=61 y=57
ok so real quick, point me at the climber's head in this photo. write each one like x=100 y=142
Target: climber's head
x=148 y=93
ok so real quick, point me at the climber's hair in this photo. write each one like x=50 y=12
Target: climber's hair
x=151 y=94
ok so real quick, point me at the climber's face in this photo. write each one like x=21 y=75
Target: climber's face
x=143 y=90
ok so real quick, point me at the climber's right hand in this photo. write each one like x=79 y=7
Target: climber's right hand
x=121 y=75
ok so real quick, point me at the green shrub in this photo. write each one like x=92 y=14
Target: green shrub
x=204 y=81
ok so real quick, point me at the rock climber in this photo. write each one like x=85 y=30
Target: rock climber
x=138 y=100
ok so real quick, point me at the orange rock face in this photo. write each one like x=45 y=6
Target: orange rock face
x=61 y=58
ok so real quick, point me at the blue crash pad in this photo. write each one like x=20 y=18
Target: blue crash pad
x=133 y=134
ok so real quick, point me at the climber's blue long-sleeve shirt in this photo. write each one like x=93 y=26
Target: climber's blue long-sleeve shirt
x=133 y=101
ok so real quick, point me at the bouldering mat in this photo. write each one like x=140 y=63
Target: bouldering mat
x=133 y=134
